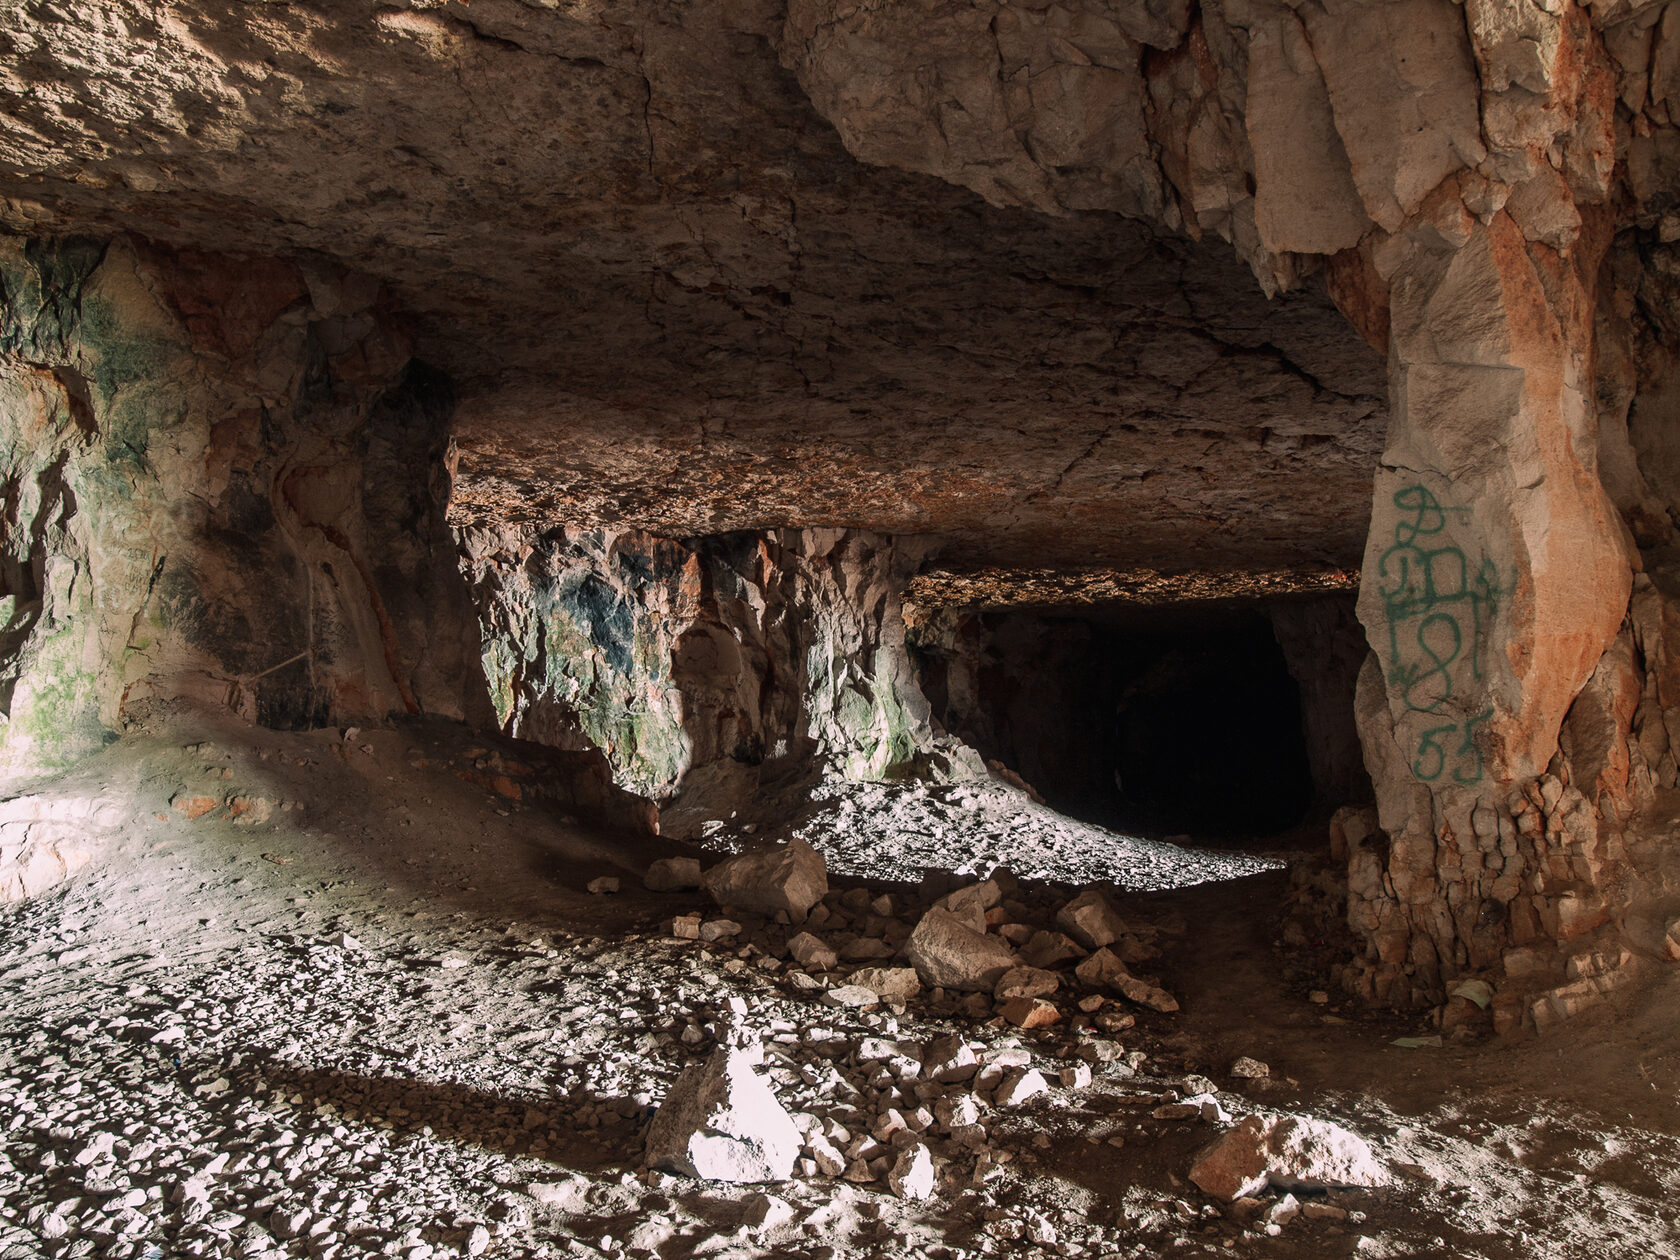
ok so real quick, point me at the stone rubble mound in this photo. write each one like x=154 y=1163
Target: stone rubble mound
x=980 y=940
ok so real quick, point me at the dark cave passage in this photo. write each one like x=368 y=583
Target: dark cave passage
x=1220 y=722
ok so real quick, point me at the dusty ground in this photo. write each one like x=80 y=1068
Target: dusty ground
x=389 y=1020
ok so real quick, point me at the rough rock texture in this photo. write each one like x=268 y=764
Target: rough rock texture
x=1290 y=1152
x=916 y=269
x=224 y=486
x=670 y=656
x=789 y=878
x=1091 y=920
x=1497 y=710
x=558 y=193
x=721 y=1122
x=948 y=953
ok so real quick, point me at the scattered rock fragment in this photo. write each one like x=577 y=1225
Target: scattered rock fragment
x=766 y=1213
x=1091 y=920
x=949 y=1060
x=1291 y=1152
x=1030 y=1012
x=911 y=1176
x=1025 y=982
x=851 y=995
x=790 y=878
x=1048 y=950
x=722 y=1122
x=673 y=874
x=1076 y=1077
x=1020 y=1085
x=893 y=984
x=1248 y=1069
x=809 y=951
x=1105 y=970
x=604 y=884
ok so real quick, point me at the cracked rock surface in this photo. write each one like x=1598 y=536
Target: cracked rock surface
x=551 y=194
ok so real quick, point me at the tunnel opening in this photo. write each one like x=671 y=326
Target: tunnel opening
x=1224 y=721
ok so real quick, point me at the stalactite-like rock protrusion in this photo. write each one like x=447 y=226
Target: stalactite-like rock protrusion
x=720 y=652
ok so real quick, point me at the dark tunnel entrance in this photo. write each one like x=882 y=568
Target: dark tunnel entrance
x=1209 y=721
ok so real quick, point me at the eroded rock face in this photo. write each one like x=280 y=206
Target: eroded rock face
x=555 y=196
x=670 y=656
x=225 y=488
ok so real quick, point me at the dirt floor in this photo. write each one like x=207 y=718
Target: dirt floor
x=363 y=1004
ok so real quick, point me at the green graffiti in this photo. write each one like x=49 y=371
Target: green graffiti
x=1438 y=606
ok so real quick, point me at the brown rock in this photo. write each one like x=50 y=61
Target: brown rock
x=1091 y=920
x=1030 y=1012
x=1025 y=982
x=947 y=953
x=1047 y=950
x=790 y=877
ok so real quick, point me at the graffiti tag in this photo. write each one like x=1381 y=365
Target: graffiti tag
x=1437 y=604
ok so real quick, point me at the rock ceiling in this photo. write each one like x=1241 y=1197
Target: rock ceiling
x=671 y=298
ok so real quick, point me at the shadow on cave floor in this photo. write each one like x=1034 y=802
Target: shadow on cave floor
x=410 y=968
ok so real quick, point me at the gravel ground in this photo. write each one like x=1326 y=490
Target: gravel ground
x=388 y=1021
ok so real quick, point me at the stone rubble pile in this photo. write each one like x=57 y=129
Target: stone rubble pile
x=320 y=1074
x=1032 y=963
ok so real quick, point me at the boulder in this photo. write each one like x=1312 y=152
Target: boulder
x=948 y=953
x=948 y=1060
x=1025 y=982
x=1020 y=1085
x=673 y=874
x=790 y=878
x=894 y=984
x=1289 y=1152
x=971 y=903
x=1050 y=949
x=1090 y=920
x=911 y=1177
x=722 y=1122
x=810 y=951
x=1102 y=970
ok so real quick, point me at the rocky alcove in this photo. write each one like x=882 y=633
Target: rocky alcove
x=1027 y=626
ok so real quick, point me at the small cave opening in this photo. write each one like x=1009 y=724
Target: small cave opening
x=1225 y=721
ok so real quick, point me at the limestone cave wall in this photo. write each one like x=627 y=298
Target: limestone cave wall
x=224 y=485
x=670 y=656
x=666 y=300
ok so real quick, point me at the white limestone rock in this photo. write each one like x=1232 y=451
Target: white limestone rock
x=722 y=1122
x=1289 y=1152
x=911 y=1176
x=892 y=984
